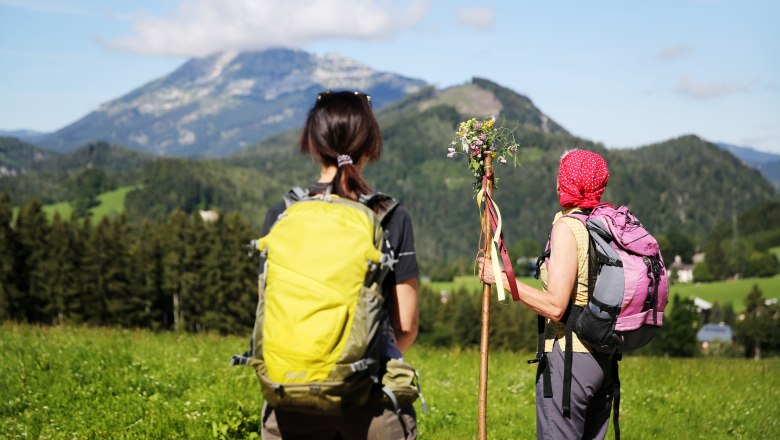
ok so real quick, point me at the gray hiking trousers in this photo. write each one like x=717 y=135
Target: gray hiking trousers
x=371 y=422
x=592 y=388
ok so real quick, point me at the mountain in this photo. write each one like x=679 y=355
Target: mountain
x=767 y=163
x=772 y=172
x=749 y=155
x=215 y=105
x=25 y=135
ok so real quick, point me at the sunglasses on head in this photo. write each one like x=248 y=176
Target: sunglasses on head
x=323 y=96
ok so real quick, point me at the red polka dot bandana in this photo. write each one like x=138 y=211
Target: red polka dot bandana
x=582 y=178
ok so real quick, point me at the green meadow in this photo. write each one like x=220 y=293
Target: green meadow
x=112 y=202
x=69 y=382
x=733 y=291
x=109 y=203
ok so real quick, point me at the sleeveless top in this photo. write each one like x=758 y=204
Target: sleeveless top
x=555 y=330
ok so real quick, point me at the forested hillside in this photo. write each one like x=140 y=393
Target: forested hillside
x=683 y=185
x=16 y=156
x=53 y=177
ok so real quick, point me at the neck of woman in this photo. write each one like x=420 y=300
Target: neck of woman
x=327 y=173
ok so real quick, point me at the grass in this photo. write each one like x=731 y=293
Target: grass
x=111 y=203
x=63 y=208
x=67 y=382
x=733 y=291
x=471 y=283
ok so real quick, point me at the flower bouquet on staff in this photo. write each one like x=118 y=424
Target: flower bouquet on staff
x=478 y=139
x=481 y=141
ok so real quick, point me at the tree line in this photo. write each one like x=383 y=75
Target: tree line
x=187 y=274
x=181 y=274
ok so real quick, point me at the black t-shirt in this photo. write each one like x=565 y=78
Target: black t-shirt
x=397 y=224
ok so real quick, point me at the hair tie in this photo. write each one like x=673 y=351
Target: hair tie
x=344 y=159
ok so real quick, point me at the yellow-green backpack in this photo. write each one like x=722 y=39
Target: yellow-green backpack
x=315 y=342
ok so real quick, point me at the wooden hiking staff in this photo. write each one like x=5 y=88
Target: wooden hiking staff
x=481 y=142
x=494 y=250
x=484 y=343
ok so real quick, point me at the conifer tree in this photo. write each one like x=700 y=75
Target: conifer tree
x=8 y=250
x=85 y=305
x=199 y=298
x=678 y=337
x=33 y=231
x=146 y=277
x=60 y=270
x=174 y=265
x=105 y=275
x=120 y=299
x=230 y=297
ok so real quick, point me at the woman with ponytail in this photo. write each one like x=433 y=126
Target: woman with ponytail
x=342 y=135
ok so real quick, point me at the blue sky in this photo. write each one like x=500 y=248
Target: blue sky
x=625 y=73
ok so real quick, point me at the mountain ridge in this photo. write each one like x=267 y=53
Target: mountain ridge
x=214 y=105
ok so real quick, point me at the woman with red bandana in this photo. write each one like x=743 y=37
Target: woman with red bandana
x=582 y=178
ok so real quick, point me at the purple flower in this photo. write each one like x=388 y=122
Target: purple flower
x=479 y=143
x=477 y=125
x=512 y=148
x=483 y=137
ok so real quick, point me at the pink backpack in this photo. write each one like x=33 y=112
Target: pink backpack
x=627 y=295
x=627 y=300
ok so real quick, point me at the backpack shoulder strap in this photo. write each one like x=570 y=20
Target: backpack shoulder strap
x=382 y=204
x=295 y=194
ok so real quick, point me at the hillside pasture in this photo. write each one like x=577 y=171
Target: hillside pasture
x=733 y=291
x=112 y=202
x=68 y=382
x=109 y=203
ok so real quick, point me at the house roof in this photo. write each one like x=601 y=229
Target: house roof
x=711 y=332
x=701 y=304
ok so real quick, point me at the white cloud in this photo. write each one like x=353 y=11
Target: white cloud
x=704 y=90
x=201 y=27
x=481 y=19
x=674 y=52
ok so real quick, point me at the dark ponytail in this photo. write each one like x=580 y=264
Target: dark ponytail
x=341 y=130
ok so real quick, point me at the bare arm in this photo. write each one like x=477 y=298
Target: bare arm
x=404 y=314
x=561 y=276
